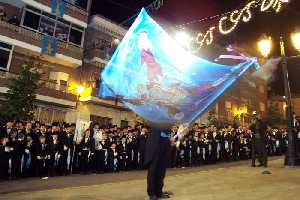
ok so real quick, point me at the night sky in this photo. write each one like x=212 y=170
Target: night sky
x=177 y=12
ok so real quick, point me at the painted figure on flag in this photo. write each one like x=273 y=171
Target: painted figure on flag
x=161 y=81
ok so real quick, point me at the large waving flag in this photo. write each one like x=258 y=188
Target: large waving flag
x=159 y=80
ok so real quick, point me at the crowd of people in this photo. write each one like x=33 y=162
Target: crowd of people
x=38 y=150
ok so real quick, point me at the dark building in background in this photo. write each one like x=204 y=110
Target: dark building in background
x=52 y=34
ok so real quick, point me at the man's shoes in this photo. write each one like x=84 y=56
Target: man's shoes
x=169 y=193
x=153 y=198
x=164 y=195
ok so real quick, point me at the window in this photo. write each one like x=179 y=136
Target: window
x=102 y=52
x=75 y=36
x=78 y=3
x=63 y=86
x=5 y=55
x=62 y=29
x=52 y=25
x=124 y=124
x=102 y=121
x=47 y=26
x=31 y=20
x=49 y=115
x=228 y=104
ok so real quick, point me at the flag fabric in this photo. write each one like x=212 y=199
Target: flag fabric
x=58 y=7
x=45 y=44
x=53 y=46
x=49 y=45
x=161 y=81
x=61 y=8
x=53 y=6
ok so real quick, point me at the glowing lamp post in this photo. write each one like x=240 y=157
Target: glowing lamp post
x=79 y=90
x=183 y=39
x=265 y=46
x=296 y=40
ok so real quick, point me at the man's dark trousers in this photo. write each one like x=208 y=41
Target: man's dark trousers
x=157 y=160
x=259 y=148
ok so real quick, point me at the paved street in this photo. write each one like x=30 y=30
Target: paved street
x=230 y=181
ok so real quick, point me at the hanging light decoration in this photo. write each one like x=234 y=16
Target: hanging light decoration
x=206 y=38
x=231 y=20
x=267 y=4
x=235 y=18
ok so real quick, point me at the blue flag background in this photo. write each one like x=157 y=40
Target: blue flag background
x=161 y=81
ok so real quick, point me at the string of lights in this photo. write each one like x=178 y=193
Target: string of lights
x=230 y=20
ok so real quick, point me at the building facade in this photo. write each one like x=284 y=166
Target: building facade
x=237 y=104
x=72 y=49
x=50 y=32
x=102 y=38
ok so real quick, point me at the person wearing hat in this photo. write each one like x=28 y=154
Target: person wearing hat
x=16 y=152
x=43 y=157
x=258 y=129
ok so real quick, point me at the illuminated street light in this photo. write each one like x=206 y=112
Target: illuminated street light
x=264 y=46
x=79 y=90
x=116 y=41
x=296 y=40
x=183 y=39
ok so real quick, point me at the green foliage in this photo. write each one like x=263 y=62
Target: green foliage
x=21 y=94
x=274 y=117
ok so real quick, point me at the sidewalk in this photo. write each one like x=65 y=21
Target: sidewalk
x=228 y=181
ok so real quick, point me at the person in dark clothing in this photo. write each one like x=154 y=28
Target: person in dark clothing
x=173 y=150
x=113 y=158
x=100 y=151
x=87 y=149
x=29 y=158
x=141 y=147
x=122 y=151
x=190 y=158
x=55 y=150
x=16 y=145
x=66 y=142
x=157 y=146
x=156 y=159
x=6 y=130
x=42 y=152
x=4 y=155
x=258 y=129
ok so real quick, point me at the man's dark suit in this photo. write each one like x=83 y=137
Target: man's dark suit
x=259 y=129
x=156 y=160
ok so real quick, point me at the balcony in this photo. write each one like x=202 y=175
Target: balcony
x=49 y=89
x=108 y=102
x=70 y=10
x=99 y=52
x=35 y=38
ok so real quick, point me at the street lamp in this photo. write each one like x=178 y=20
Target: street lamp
x=296 y=40
x=265 y=49
x=79 y=90
x=264 y=46
x=183 y=38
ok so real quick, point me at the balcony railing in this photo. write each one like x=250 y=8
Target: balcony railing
x=70 y=9
x=47 y=88
x=35 y=38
